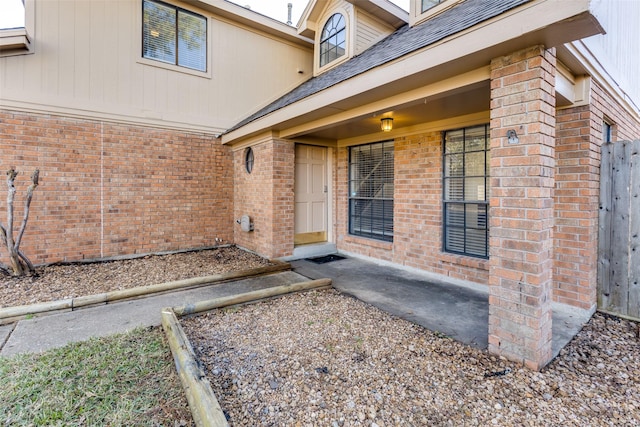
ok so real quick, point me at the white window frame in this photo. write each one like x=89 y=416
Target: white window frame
x=417 y=16
x=159 y=64
x=364 y=203
x=348 y=41
x=342 y=31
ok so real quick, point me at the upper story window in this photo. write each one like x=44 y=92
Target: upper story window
x=13 y=15
x=17 y=25
x=428 y=4
x=173 y=35
x=333 y=39
x=422 y=10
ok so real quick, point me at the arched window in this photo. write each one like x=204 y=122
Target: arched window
x=333 y=39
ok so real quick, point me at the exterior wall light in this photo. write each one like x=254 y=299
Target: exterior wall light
x=386 y=124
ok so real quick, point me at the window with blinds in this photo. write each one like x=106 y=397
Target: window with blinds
x=173 y=35
x=371 y=190
x=466 y=191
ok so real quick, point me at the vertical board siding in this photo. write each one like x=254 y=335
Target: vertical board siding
x=369 y=31
x=619 y=231
x=87 y=63
x=617 y=51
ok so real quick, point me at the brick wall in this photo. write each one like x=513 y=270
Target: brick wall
x=417 y=238
x=625 y=126
x=283 y=198
x=267 y=196
x=112 y=189
x=578 y=148
x=521 y=228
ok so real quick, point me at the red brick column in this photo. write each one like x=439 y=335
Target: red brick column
x=576 y=207
x=283 y=198
x=267 y=196
x=522 y=217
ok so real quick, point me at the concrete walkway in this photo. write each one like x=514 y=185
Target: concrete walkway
x=46 y=332
x=460 y=312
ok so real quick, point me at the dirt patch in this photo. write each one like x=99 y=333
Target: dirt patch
x=321 y=358
x=57 y=282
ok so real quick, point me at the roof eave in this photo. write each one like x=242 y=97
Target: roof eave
x=242 y=15
x=539 y=22
x=385 y=10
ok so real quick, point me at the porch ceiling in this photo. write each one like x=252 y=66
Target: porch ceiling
x=460 y=102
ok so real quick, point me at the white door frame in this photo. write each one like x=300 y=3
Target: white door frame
x=329 y=216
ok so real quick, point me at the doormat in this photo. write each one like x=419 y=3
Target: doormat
x=325 y=259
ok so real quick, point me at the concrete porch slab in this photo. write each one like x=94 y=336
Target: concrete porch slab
x=459 y=312
x=312 y=250
x=456 y=309
x=566 y=323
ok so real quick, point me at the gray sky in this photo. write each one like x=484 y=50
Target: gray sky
x=12 y=12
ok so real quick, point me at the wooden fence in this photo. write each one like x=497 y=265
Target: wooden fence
x=619 y=230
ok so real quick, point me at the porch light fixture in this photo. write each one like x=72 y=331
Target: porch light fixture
x=386 y=124
x=512 y=136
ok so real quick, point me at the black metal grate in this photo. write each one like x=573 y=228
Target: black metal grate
x=325 y=259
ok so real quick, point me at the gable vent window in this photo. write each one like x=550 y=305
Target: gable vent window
x=371 y=191
x=466 y=191
x=174 y=36
x=333 y=39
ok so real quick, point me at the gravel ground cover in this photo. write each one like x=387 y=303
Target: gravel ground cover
x=55 y=282
x=325 y=359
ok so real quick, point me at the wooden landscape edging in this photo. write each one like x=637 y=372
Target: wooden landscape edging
x=11 y=314
x=205 y=409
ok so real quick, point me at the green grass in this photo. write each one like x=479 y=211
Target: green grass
x=126 y=379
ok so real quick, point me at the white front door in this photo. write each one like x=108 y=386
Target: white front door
x=310 y=194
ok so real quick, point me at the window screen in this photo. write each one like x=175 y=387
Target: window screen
x=466 y=191
x=371 y=190
x=174 y=36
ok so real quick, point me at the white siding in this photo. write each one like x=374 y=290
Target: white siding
x=619 y=50
x=87 y=63
x=369 y=30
